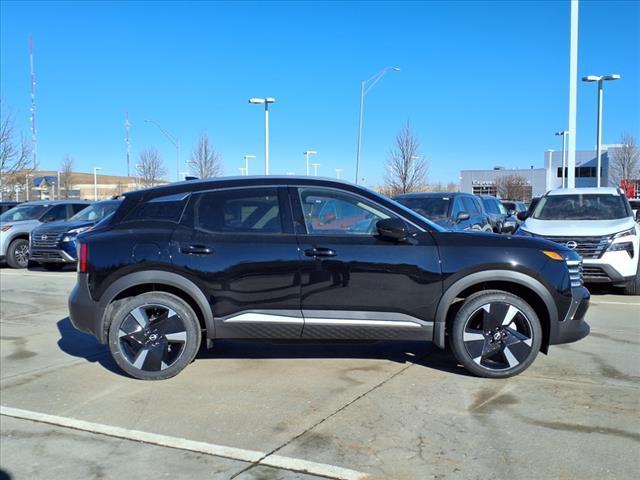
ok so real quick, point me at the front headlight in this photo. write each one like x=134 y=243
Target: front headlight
x=625 y=233
x=72 y=234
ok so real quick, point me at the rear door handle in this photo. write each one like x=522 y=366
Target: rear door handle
x=320 y=252
x=196 y=250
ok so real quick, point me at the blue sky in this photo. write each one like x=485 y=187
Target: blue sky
x=483 y=83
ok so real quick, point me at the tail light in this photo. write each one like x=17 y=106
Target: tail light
x=82 y=258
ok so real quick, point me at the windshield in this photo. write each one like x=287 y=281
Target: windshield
x=432 y=208
x=23 y=212
x=581 y=207
x=95 y=212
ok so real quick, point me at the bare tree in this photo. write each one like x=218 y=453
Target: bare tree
x=150 y=167
x=513 y=187
x=205 y=160
x=66 y=175
x=15 y=154
x=406 y=168
x=625 y=161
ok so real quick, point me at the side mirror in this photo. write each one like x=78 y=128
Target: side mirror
x=462 y=216
x=392 y=229
x=522 y=216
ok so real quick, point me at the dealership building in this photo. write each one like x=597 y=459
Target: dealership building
x=540 y=180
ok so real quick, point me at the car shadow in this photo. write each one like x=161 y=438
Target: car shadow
x=82 y=345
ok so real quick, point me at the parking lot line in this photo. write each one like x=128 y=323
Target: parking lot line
x=601 y=302
x=250 y=456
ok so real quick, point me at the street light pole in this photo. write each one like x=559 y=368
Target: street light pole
x=308 y=153
x=564 y=134
x=364 y=89
x=174 y=140
x=315 y=169
x=95 y=182
x=246 y=163
x=338 y=172
x=266 y=101
x=600 y=79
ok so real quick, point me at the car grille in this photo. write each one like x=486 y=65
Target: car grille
x=42 y=255
x=595 y=274
x=575 y=272
x=46 y=239
x=586 y=247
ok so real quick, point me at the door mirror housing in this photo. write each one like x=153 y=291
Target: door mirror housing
x=393 y=229
x=522 y=216
x=462 y=216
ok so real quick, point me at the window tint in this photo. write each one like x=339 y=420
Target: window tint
x=59 y=212
x=581 y=207
x=78 y=207
x=167 y=208
x=255 y=210
x=332 y=212
x=470 y=206
x=490 y=205
x=457 y=207
x=433 y=208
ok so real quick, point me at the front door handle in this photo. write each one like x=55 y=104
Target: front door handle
x=196 y=250
x=320 y=252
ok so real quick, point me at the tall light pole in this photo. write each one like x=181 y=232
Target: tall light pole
x=95 y=182
x=564 y=134
x=573 y=92
x=176 y=143
x=338 y=172
x=266 y=101
x=600 y=79
x=315 y=169
x=307 y=154
x=365 y=87
x=246 y=163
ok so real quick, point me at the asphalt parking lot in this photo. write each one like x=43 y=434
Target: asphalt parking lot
x=264 y=411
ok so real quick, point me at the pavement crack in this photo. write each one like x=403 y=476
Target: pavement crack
x=331 y=415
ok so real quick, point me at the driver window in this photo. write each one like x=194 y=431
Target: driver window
x=457 y=207
x=332 y=212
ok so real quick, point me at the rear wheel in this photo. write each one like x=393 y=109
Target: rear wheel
x=18 y=253
x=495 y=334
x=153 y=336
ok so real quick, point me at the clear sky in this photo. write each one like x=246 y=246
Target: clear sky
x=483 y=83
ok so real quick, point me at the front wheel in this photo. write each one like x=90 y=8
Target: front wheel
x=495 y=334
x=633 y=286
x=154 y=336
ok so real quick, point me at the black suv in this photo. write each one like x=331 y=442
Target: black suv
x=453 y=211
x=319 y=260
x=501 y=220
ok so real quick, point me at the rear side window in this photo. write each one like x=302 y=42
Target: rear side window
x=255 y=210
x=78 y=207
x=167 y=208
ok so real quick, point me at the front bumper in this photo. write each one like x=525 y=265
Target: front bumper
x=573 y=327
x=51 y=256
x=84 y=312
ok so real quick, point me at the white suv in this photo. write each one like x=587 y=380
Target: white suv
x=599 y=224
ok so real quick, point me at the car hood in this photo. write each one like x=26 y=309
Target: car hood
x=481 y=239
x=577 y=228
x=63 y=226
x=22 y=225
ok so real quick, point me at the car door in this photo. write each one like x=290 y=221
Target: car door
x=355 y=284
x=238 y=245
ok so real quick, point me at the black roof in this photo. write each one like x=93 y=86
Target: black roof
x=226 y=182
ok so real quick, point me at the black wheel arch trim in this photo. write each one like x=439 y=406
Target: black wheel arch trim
x=160 y=277
x=489 y=276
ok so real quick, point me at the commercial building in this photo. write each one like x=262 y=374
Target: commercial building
x=537 y=181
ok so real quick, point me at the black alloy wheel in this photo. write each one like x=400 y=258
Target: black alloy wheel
x=496 y=334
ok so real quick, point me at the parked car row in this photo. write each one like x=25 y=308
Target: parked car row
x=44 y=231
x=461 y=211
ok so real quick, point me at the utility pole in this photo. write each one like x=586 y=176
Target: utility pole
x=307 y=154
x=128 y=143
x=338 y=172
x=34 y=139
x=315 y=169
x=573 y=95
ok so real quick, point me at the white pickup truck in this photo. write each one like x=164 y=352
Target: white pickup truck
x=599 y=224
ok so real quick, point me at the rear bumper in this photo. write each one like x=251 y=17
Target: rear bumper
x=573 y=327
x=84 y=311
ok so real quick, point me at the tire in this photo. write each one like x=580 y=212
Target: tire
x=171 y=337
x=18 y=253
x=487 y=346
x=52 y=267
x=633 y=286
